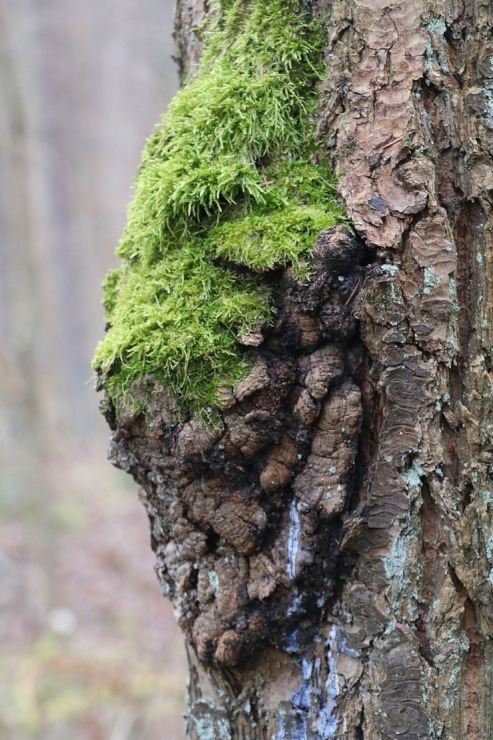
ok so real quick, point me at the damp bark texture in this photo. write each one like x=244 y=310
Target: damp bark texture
x=329 y=547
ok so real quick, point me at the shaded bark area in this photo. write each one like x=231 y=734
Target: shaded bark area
x=329 y=548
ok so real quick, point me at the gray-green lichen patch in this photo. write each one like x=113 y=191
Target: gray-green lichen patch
x=430 y=280
x=414 y=475
x=209 y=728
x=229 y=188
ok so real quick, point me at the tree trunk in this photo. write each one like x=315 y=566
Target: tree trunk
x=330 y=555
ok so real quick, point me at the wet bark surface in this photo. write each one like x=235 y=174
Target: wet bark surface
x=329 y=547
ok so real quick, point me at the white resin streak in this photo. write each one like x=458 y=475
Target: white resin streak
x=293 y=539
x=327 y=723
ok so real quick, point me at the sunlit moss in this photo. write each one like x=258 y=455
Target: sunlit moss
x=230 y=178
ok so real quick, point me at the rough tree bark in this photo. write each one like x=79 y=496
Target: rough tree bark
x=330 y=554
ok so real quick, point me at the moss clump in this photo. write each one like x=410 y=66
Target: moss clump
x=229 y=179
x=269 y=237
x=174 y=317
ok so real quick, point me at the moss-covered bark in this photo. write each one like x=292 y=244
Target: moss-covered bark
x=327 y=545
x=230 y=181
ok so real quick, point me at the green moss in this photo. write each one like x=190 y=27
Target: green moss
x=229 y=179
x=270 y=237
x=178 y=319
x=110 y=290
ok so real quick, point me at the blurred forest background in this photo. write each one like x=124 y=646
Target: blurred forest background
x=88 y=647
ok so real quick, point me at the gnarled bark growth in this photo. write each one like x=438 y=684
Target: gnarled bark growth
x=329 y=548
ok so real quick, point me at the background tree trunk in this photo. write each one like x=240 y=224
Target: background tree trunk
x=330 y=552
